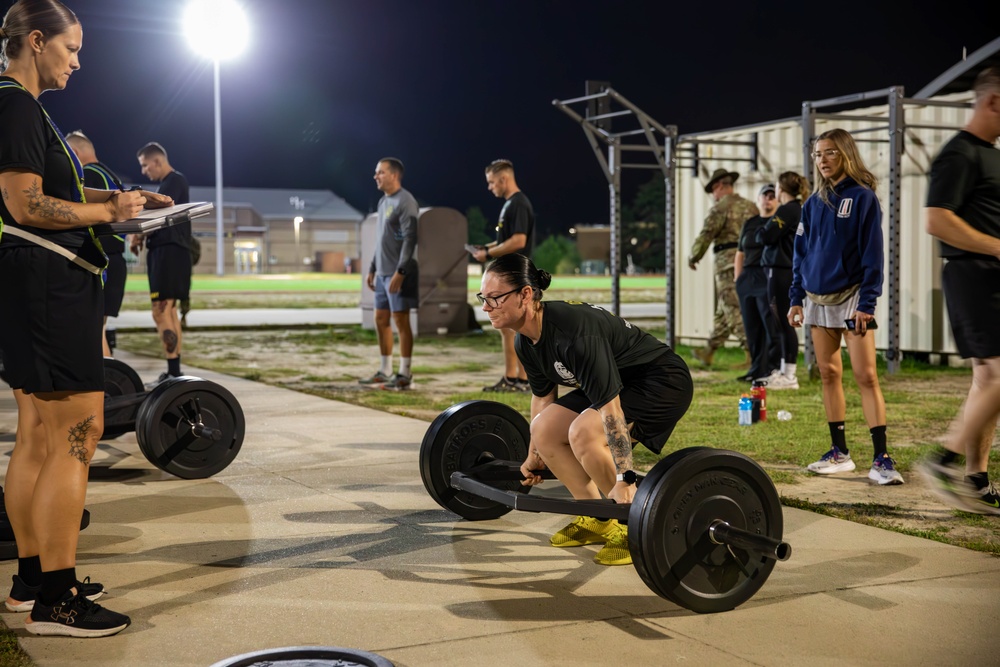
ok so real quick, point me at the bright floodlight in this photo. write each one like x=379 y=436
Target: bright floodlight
x=217 y=29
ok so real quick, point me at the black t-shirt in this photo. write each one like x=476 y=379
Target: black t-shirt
x=965 y=179
x=587 y=347
x=778 y=235
x=517 y=217
x=99 y=176
x=751 y=248
x=28 y=143
x=176 y=186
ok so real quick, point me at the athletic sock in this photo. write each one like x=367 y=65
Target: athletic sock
x=789 y=371
x=837 y=436
x=980 y=480
x=174 y=367
x=30 y=570
x=878 y=440
x=386 y=368
x=55 y=584
x=946 y=456
x=404 y=366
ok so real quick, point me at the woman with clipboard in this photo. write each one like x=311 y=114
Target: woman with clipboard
x=52 y=303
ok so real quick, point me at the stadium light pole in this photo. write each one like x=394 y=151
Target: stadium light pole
x=217 y=30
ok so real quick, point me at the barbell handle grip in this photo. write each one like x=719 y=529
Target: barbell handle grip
x=720 y=532
x=202 y=431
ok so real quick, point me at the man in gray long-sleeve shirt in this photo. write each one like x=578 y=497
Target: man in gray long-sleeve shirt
x=393 y=273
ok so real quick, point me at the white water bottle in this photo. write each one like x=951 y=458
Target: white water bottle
x=746 y=411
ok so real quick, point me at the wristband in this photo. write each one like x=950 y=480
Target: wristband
x=628 y=477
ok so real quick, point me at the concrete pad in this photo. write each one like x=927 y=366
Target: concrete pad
x=321 y=533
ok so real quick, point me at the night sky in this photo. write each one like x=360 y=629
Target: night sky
x=329 y=86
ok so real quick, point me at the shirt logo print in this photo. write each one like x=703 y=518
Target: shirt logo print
x=844 y=210
x=565 y=373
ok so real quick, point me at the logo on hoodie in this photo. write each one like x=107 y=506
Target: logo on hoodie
x=844 y=210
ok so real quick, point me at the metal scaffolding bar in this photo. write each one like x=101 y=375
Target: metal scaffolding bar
x=897 y=125
x=612 y=166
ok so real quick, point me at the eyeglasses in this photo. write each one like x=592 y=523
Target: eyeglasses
x=767 y=195
x=494 y=301
x=829 y=153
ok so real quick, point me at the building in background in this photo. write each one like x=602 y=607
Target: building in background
x=278 y=231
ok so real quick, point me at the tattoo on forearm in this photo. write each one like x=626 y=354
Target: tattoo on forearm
x=44 y=206
x=619 y=441
x=78 y=439
x=170 y=341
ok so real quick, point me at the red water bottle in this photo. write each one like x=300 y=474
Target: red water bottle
x=759 y=393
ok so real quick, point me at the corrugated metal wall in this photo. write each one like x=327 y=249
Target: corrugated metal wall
x=923 y=325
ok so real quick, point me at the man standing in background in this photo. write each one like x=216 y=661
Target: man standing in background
x=722 y=227
x=99 y=176
x=393 y=274
x=168 y=256
x=515 y=233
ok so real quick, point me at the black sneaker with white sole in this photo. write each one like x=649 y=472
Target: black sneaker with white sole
x=74 y=616
x=22 y=596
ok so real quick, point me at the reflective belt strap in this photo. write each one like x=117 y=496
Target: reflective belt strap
x=54 y=247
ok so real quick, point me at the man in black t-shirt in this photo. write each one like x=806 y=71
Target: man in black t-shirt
x=515 y=233
x=168 y=257
x=963 y=212
x=99 y=176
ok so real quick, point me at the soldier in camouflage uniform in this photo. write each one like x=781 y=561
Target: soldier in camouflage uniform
x=722 y=227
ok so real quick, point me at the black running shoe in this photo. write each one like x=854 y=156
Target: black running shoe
x=22 y=596
x=981 y=501
x=503 y=386
x=75 y=616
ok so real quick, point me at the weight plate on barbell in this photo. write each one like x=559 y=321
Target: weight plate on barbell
x=459 y=439
x=120 y=379
x=164 y=427
x=668 y=528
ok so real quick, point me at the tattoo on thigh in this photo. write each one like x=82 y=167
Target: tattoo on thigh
x=78 y=439
x=170 y=340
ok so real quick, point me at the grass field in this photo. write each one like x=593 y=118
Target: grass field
x=344 y=282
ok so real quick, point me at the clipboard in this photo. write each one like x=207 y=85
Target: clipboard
x=153 y=219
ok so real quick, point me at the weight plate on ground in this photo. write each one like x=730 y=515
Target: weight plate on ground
x=168 y=427
x=120 y=379
x=306 y=656
x=458 y=440
x=669 y=520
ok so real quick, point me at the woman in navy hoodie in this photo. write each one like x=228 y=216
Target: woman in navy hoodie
x=836 y=278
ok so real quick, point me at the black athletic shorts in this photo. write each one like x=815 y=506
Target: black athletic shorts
x=114 y=284
x=169 y=270
x=972 y=293
x=53 y=313
x=654 y=397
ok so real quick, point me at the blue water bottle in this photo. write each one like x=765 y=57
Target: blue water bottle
x=746 y=411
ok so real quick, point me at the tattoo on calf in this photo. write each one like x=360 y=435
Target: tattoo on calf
x=44 y=206
x=619 y=441
x=78 y=439
x=170 y=341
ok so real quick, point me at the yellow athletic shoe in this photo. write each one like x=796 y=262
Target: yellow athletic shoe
x=615 y=551
x=583 y=530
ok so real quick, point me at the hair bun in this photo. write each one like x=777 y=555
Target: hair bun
x=544 y=279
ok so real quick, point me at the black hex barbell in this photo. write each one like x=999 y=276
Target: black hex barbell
x=187 y=426
x=704 y=527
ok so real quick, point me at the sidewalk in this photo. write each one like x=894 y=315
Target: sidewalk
x=142 y=319
x=321 y=533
